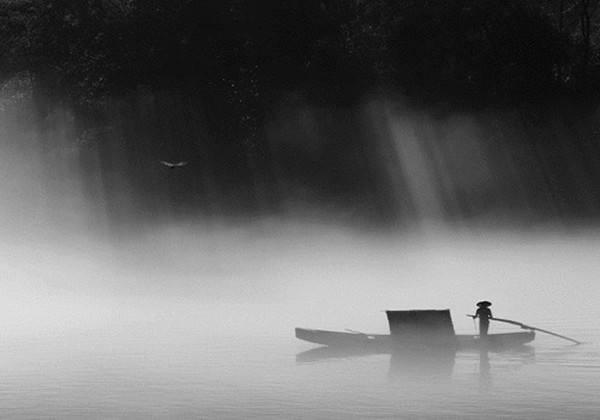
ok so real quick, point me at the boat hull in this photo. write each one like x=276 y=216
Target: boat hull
x=388 y=343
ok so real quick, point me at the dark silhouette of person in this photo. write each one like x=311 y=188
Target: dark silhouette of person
x=484 y=314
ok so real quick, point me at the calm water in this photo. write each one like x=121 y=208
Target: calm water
x=108 y=348
x=150 y=371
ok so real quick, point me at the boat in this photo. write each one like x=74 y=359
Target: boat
x=383 y=343
x=415 y=330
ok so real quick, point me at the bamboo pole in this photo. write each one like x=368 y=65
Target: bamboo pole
x=528 y=327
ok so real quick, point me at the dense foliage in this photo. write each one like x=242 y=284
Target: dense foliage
x=202 y=80
x=483 y=51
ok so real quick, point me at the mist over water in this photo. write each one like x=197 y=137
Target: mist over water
x=186 y=323
x=296 y=274
x=118 y=303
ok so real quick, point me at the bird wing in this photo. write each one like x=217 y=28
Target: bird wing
x=173 y=165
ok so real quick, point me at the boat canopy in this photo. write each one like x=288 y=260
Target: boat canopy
x=424 y=326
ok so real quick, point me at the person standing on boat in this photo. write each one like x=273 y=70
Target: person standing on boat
x=484 y=314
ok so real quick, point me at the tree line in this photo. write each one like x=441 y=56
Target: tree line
x=483 y=51
x=216 y=71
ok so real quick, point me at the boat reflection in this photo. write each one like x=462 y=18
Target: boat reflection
x=425 y=364
x=411 y=364
x=404 y=363
x=325 y=353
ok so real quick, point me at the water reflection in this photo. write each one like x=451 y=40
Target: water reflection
x=485 y=371
x=425 y=364
x=325 y=353
x=524 y=354
x=422 y=364
x=403 y=363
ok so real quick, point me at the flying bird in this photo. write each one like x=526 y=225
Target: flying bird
x=173 y=165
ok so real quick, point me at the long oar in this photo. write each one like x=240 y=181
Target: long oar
x=528 y=327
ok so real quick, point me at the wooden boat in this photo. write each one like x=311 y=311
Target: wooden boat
x=414 y=330
x=388 y=343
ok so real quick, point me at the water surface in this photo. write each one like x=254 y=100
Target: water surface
x=102 y=338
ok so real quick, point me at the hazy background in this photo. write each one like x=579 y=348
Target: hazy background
x=343 y=158
x=453 y=218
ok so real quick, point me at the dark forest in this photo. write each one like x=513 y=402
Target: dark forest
x=280 y=105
